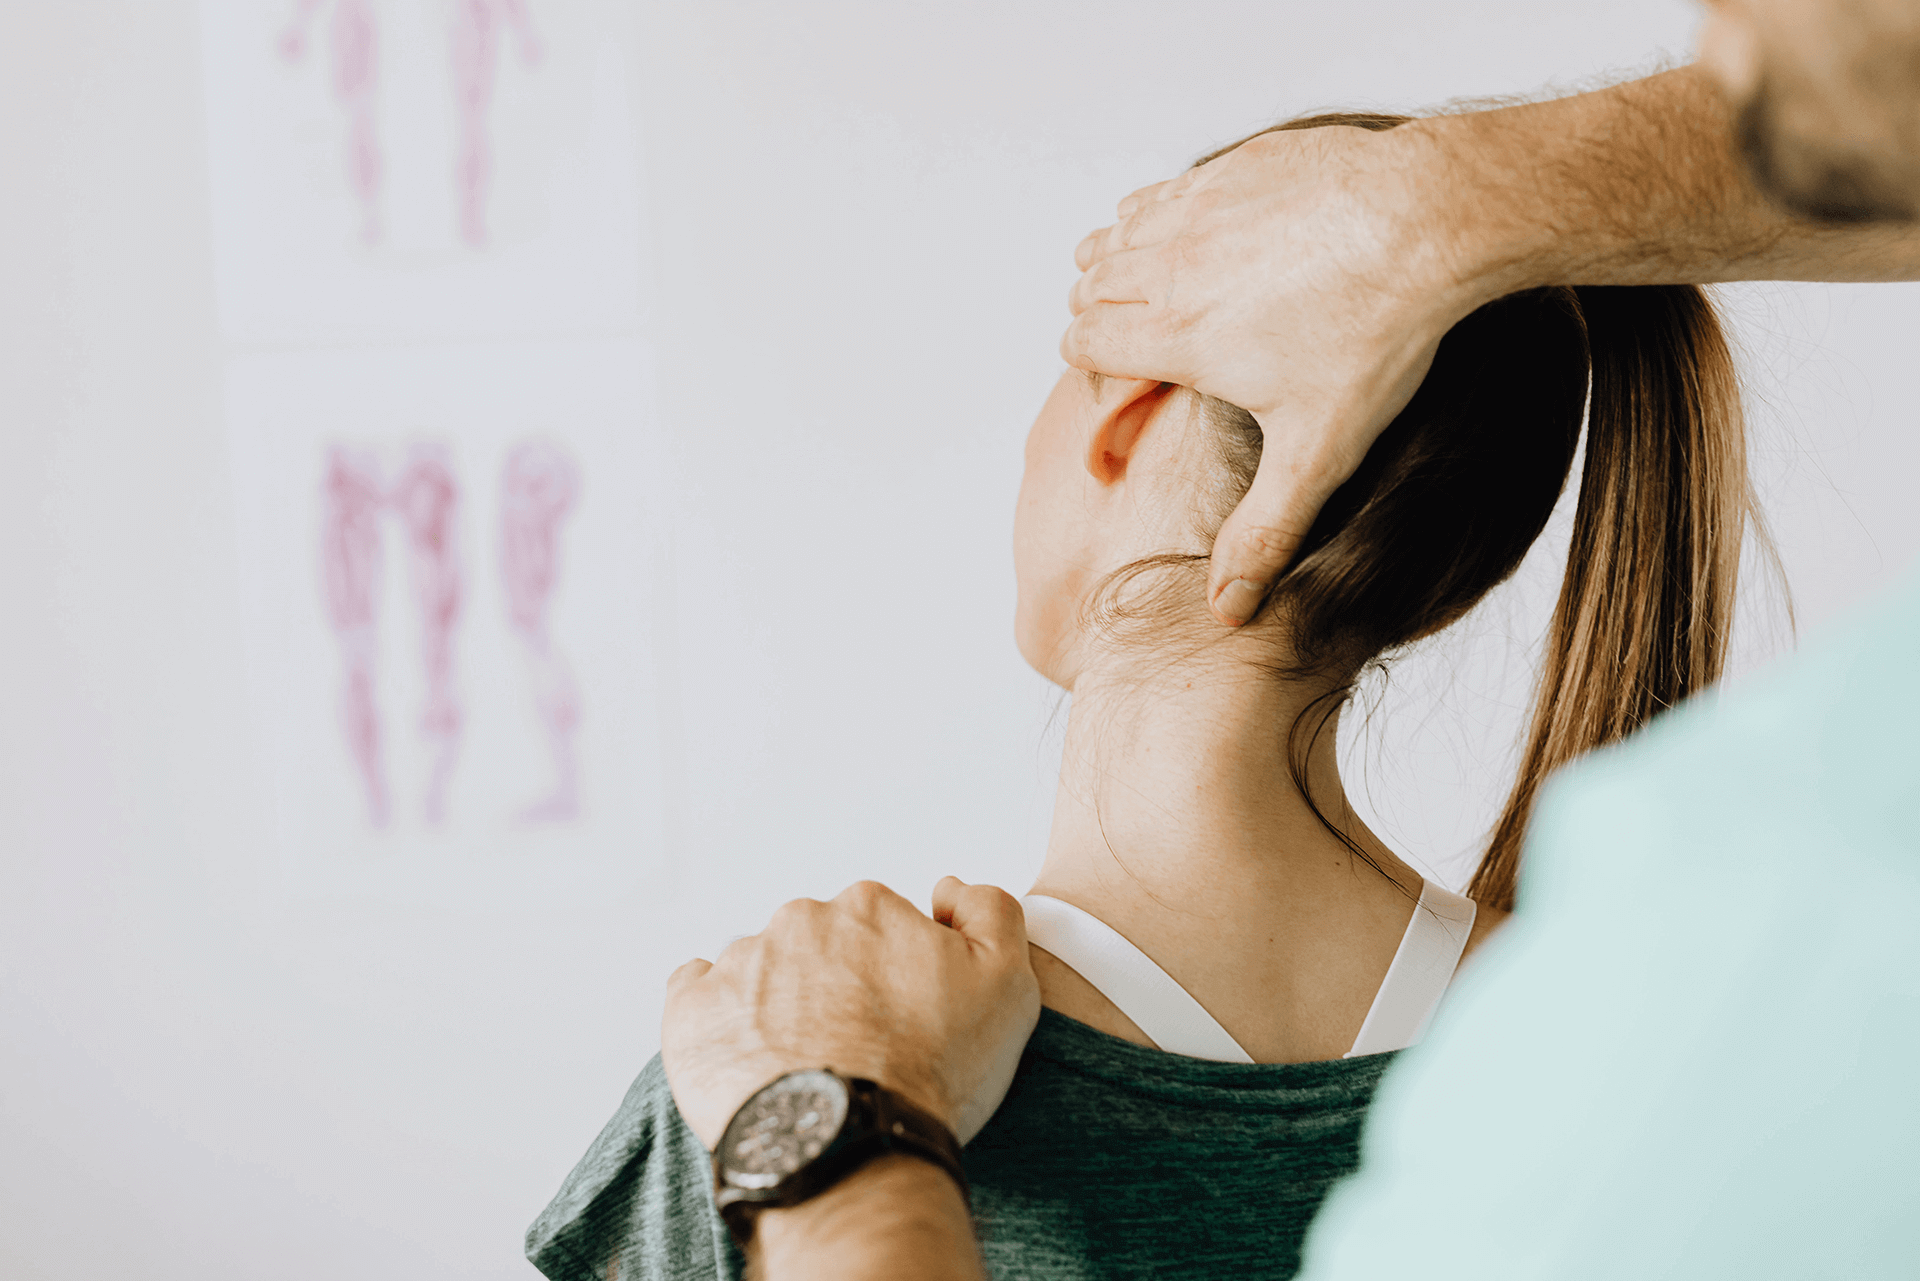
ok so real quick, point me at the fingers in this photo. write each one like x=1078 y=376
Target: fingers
x=1172 y=189
x=944 y=895
x=1259 y=540
x=870 y=899
x=1090 y=248
x=1123 y=340
x=1129 y=276
x=1147 y=224
x=736 y=947
x=1145 y=195
x=985 y=914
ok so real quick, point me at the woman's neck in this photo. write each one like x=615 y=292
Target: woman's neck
x=1178 y=822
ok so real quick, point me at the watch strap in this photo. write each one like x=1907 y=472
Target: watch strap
x=878 y=1121
x=915 y=1131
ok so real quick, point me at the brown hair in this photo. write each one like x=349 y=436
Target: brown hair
x=1448 y=500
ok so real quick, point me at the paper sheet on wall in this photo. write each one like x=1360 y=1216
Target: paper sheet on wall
x=397 y=169
x=446 y=562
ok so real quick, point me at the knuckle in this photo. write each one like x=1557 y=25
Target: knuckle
x=793 y=913
x=995 y=899
x=742 y=956
x=685 y=974
x=1266 y=544
x=865 y=897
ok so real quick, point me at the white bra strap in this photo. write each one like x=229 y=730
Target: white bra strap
x=1421 y=970
x=1128 y=977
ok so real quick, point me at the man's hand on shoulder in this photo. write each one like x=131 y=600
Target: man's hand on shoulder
x=937 y=1008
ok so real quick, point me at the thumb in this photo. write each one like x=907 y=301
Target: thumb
x=984 y=914
x=1264 y=533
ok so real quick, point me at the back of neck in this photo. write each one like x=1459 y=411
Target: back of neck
x=1179 y=822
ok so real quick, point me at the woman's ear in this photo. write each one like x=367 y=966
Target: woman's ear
x=1123 y=408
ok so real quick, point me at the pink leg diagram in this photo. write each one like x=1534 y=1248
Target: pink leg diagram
x=350 y=552
x=476 y=60
x=538 y=491
x=427 y=500
x=355 y=77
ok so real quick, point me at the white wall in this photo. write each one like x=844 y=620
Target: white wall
x=862 y=216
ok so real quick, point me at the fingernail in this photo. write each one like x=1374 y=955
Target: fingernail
x=1239 y=600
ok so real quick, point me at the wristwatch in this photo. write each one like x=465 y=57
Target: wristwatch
x=802 y=1133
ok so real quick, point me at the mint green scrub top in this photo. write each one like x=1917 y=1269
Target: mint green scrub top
x=1695 y=1050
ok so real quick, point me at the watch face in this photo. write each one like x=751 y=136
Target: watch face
x=783 y=1127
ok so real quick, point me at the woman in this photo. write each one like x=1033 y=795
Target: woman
x=1227 y=956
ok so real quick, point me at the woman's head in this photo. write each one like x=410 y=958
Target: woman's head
x=1111 y=470
x=1128 y=482
x=1120 y=474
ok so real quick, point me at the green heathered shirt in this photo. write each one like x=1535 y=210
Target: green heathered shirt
x=1107 y=1159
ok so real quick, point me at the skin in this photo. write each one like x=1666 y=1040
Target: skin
x=843 y=984
x=1381 y=241
x=1828 y=101
x=1176 y=820
x=1308 y=276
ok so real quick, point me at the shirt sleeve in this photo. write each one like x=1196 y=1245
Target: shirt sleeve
x=638 y=1206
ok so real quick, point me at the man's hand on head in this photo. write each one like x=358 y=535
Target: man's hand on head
x=1308 y=276
x=1300 y=276
x=938 y=1008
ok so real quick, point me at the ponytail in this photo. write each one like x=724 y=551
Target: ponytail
x=1647 y=603
x=1454 y=492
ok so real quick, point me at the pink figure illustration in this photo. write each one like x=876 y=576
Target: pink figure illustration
x=427 y=500
x=350 y=553
x=476 y=59
x=355 y=78
x=538 y=491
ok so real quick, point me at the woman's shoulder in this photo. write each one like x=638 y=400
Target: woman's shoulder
x=638 y=1203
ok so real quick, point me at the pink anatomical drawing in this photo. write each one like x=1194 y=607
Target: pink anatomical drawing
x=426 y=498
x=474 y=47
x=355 y=503
x=539 y=489
x=356 y=50
x=352 y=504
x=476 y=60
x=447 y=557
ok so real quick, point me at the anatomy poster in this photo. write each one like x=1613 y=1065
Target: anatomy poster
x=447 y=561
x=428 y=228
x=421 y=168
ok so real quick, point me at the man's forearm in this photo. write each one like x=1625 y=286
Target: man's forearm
x=899 y=1217
x=1632 y=185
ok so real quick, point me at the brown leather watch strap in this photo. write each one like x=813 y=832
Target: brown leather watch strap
x=911 y=1129
x=878 y=1121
